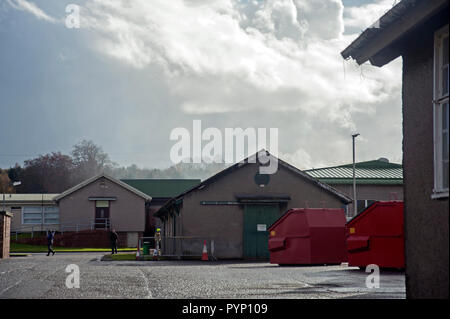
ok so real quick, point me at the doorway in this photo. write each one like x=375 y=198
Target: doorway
x=257 y=219
x=101 y=214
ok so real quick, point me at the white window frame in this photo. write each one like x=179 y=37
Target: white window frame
x=24 y=212
x=438 y=101
x=42 y=214
x=49 y=211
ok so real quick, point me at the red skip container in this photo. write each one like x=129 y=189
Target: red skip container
x=375 y=236
x=308 y=236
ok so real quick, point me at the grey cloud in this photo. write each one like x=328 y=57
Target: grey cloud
x=230 y=64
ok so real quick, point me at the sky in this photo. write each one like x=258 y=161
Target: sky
x=135 y=70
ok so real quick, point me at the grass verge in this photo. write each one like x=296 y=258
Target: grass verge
x=25 y=248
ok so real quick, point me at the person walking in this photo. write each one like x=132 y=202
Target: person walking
x=50 y=238
x=114 y=238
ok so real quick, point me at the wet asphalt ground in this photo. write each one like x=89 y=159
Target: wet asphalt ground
x=39 y=276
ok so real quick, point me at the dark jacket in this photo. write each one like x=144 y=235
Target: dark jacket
x=113 y=237
x=50 y=237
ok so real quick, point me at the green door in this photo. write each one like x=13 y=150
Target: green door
x=257 y=218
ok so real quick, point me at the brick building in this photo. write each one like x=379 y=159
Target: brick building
x=236 y=206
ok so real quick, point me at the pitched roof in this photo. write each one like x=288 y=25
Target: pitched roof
x=93 y=179
x=162 y=188
x=378 y=43
x=369 y=172
x=252 y=159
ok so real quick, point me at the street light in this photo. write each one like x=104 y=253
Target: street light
x=355 y=202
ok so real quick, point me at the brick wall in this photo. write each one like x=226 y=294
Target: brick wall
x=5 y=225
x=85 y=238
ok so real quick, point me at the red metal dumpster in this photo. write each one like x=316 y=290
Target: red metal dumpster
x=375 y=236
x=308 y=236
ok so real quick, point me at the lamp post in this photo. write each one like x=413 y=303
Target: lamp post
x=355 y=202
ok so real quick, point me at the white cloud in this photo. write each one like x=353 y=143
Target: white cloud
x=364 y=16
x=300 y=159
x=272 y=56
x=267 y=57
x=324 y=17
x=214 y=56
x=279 y=18
x=32 y=8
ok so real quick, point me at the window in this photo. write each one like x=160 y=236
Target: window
x=33 y=215
x=101 y=203
x=441 y=113
x=51 y=215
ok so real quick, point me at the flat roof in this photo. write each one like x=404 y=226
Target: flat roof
x=27 y=197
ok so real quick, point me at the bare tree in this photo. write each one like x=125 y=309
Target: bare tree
x=89 y=160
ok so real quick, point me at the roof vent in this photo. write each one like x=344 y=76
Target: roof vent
x=383 y=159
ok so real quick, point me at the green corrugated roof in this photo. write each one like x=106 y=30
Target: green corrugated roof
x=370 y=172
x=166 y=188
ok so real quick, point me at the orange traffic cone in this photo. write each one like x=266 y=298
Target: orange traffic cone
x=205 y=252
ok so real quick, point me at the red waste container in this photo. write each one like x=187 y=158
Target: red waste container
x=308 y=236
x=375 y=236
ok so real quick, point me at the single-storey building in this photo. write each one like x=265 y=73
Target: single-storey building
x=103 y=202
x=100 y=202
x=161 y=190
x=418 y=31
x=236 y=206
x=375 y=180
x=36 y=212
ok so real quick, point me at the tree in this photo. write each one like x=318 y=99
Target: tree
x=5 y=183
x=14 y=173
x=89 y=160
x=50 y=173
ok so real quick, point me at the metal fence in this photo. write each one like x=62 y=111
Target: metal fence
x=92 y=224
x=33 y=230
x=178 y=247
